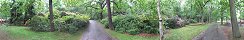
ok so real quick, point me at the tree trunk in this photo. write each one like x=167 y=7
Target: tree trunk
x=101 y=15
x=235 y=27
x=202 y=17
x=51 y=16
x=12 y=12
x=160 y=21
x=101 y=12
x=109 y=15
x=222 y=18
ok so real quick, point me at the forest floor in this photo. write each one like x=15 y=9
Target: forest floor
x=95 y=31
x=214 y=32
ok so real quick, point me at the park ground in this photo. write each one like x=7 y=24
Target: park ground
x=196 y=31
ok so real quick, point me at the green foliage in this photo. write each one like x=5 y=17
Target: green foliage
x=241 y=16
x=69 y=24
x=39 y=23
x=4 y=9
x=132 y=24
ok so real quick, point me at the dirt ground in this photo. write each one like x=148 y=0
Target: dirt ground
x=4 y=36
x=228 y=33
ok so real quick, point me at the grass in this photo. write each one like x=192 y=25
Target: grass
x=185 y=33
x=121 y=36
x=23 y=33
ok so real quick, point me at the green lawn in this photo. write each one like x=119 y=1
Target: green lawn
x=22 y=33
x=185 y=33
x=121 y=36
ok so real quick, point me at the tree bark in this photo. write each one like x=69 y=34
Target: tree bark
x=160 y=21
x=235 y=27
x=222 y=18
x=109 y=15
x=51 y=16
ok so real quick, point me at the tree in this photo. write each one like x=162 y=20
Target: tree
x=51 y=16
x=235 y=27
x=109 y=15
x=160 y=21
x=101 y=4
x=13 y=11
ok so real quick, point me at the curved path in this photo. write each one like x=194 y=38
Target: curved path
x=214 y=32
x=96 y=31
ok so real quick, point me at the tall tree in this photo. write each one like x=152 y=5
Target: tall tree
x=13 y=11
x=109 y=15
x=235 y=27
x=101 y=4
x=160 y=21
x=51 y=16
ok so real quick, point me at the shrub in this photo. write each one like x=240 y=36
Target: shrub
x=126 y=23
x=132 y=24
x=175 y=23
x=69 y=24
x=151 y=26
x=39 y=23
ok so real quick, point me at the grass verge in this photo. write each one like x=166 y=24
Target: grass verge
x=23 y=33
x=121 y=36
x=185 y=33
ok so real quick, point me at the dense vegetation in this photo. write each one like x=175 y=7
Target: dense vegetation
x=124 y=16
x=133 y=24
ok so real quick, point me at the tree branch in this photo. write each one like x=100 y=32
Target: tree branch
x=103 y=4
x=92 y=7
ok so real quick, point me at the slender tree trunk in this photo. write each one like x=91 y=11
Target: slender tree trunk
x=51 y=16
x=101 y=12
x=109 y=15
x=222 y=18
x=202 y=18
x=12 y=12
x=101 y=15
x=160 y=21
x=235 y=27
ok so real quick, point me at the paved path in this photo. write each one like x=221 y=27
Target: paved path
x=95 y=31
x=214 y=32
x=3 y=35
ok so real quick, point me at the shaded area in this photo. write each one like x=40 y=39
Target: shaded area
x=95 y=31
x=214 y=32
